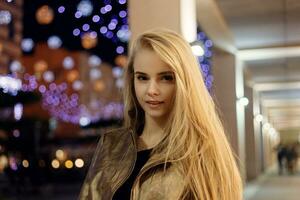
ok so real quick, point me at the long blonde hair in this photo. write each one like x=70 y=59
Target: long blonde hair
x=195 y=135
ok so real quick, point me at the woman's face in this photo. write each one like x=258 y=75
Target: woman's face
x=154 y=84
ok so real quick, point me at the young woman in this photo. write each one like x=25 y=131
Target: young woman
x=172 y=145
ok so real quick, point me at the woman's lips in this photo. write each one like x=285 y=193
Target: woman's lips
x=154 y=104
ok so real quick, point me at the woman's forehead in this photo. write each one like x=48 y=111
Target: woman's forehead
x=148 y=60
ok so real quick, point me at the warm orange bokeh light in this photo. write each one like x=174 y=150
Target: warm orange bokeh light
x=60 y=155
x=89 y=41
x=25 y=163
x=40 y=66
x=3 y=162
x=69 y=164
x=121 y=60
x=44 y=15
x=99 y=86
x=72 y=75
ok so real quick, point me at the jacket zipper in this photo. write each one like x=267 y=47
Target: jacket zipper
x=131 y=169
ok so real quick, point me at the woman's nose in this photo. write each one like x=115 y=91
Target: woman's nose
x=153 y=89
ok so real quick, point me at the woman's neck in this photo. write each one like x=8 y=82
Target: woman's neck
x=152 y=134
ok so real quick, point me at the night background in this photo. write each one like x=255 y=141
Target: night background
x=61 y=66
x=59 y=90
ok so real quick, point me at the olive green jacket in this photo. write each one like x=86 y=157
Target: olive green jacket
x=112 y=164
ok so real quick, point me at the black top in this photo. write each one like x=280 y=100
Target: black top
x=123 y=193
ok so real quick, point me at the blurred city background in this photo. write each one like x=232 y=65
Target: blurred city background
x=61 y=67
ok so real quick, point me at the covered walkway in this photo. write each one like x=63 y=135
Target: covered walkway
x=272 y=186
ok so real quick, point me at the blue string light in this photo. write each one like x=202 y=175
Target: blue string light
x=104 y=19
x=205 y=60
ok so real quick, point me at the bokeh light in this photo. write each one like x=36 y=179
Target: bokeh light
x=15 y=66
x=54 y=42
x=76 y=32
x=117 y=72
x=86 y=27
x=94 y=61
x=44 y=15
x=120 y=49
x=3 y=162
x=95 y=74
x=79 y=163
x=40 y=66
x=96 y=18
x=85 y=7
x=48 y=76
x=77 y=85
x=68 y=62
x=27 y=44
x=69 y=164
x=120 y=83
x=25 y=163
x=16 y=133
x=60 y=154
x=122 y=1
x=18 y=111
x=5 y=17
x=72 y=75
x=122 y=13
x=61 y=9
x=99 y=86
x=55 y=164
x=78 y=14
x=84 y=121
x=121 y=60
x=89 y=40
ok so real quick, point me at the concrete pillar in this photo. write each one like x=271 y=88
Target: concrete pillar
x=252 y=137
x=240 y=113
x=223 y=70
x=177 y=15
x=265 y=141
x=258 y=132
x=224 y=93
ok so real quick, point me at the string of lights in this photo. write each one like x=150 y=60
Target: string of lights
x=205 y=58
x=96 y=27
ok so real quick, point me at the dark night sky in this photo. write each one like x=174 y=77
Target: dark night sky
x=64 y=24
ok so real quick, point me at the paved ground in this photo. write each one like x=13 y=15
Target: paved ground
x=271 y=186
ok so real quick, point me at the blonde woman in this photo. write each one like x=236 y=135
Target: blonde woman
x=172 y=145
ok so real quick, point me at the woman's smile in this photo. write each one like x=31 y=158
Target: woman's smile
x=154 y=104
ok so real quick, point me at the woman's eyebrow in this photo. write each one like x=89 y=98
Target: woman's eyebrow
x=137 y=72
x=165 y=73
x=160 y=73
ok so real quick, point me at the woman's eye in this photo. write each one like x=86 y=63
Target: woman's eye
x=168 y=77
x=141 y=78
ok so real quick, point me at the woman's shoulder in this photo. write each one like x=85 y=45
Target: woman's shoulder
x=116 y=132
x=115 y=140
x=108 y=139
x=114 y=135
